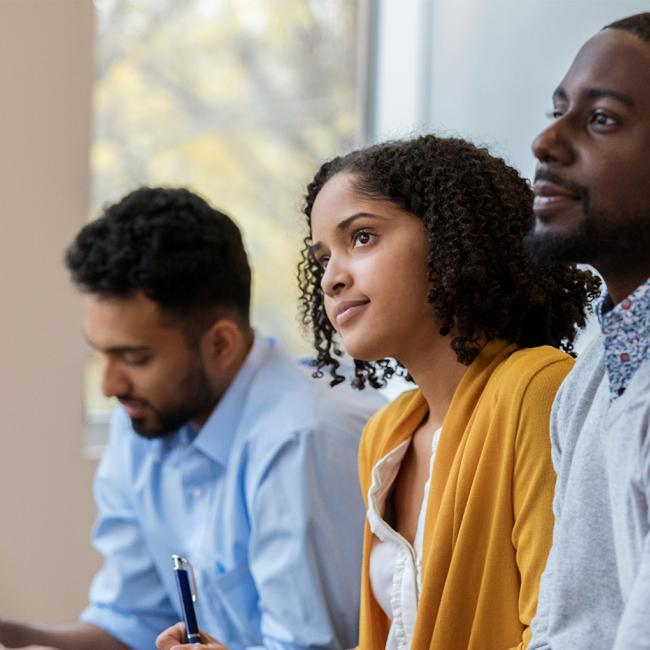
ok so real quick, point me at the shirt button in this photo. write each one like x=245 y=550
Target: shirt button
x=196 y=493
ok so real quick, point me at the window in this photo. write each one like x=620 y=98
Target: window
x=241 y=100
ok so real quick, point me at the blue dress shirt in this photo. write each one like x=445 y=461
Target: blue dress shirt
x=264 y=501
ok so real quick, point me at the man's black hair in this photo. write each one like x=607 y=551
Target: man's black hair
x=639 y=25
x=169 y=244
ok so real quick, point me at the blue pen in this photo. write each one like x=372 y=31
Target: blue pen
x=187 y=595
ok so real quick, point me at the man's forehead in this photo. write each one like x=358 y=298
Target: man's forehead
x=133 y=320
x=613 y=59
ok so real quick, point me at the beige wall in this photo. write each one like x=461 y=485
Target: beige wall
x=46 y=507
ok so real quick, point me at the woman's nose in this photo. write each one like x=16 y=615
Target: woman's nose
x=335 y=277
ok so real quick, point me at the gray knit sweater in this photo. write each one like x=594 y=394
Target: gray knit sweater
x=595 y=591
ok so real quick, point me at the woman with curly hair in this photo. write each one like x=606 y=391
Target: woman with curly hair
x=415 y=262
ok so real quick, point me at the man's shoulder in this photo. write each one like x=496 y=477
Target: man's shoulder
x=285 y=397
x=582 y=383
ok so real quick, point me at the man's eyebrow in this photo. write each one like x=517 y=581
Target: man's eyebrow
x=124 y=349
x=343 y=225
x=597 y=93
x=118 y=349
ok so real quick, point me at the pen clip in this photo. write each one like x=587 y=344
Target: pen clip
x=183 y=564
x=193 y=589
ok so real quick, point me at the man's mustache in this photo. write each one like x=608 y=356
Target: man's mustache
x=579 y=191
x=131 y=400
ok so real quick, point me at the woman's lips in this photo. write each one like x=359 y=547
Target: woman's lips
x=348 y=310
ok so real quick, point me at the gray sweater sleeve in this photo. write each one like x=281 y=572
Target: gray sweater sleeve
x=634 y=629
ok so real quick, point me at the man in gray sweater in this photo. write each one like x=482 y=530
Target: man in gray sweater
x=592 y=205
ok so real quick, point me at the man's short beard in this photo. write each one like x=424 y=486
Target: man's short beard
x=195 y=396
x=601 y=240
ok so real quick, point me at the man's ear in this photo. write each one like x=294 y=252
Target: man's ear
x=222 y=344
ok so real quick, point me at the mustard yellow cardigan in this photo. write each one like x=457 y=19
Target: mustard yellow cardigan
x=488 y=521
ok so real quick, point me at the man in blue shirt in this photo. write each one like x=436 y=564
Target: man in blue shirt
x=224 y=450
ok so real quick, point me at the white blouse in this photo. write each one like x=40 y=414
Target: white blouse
x=395 y=565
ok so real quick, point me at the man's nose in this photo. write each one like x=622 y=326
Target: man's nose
x=114 y=381
x=554 y=143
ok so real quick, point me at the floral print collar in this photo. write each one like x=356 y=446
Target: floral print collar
x=626 y=332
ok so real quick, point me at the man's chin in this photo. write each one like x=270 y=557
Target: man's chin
x=146 y=430
x=549 y=247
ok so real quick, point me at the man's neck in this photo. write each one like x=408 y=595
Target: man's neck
x=621 y=285
x=248 y=339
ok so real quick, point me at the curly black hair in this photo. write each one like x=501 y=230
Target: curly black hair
x=476 y=211
x=169 y=244
x=639 y=25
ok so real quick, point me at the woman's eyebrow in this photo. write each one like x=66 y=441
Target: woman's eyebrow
x=343 y=225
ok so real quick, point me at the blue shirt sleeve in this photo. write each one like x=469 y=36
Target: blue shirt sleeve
x=127 y=598
x=305 y=547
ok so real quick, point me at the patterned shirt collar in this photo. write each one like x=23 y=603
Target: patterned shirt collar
x=626 y=333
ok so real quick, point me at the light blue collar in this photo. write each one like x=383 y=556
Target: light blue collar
x=216 y=437
x=217 y=434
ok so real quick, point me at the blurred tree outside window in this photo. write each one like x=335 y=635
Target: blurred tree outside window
x=241 y=100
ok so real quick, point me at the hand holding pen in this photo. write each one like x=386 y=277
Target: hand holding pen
x=173 y=638
x=186 y=635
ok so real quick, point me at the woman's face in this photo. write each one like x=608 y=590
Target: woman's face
x=375 y=277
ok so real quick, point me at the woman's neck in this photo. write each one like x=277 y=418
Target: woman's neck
x=437 y=372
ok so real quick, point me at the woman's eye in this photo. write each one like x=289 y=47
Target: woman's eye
x=322 y=261
x=362 y=238
x=554 y=114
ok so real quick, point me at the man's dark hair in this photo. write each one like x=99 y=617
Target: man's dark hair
x=169 y=244
x=639 y=25
x=476 y=211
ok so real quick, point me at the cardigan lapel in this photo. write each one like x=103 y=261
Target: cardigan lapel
x=442 y=513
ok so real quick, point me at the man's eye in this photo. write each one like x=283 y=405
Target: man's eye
x=136 y=359
x=600 y=118
x=554 y=114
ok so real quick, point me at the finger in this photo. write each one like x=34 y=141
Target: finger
x=211 y=642
x=207 y=643
x=171 y=637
